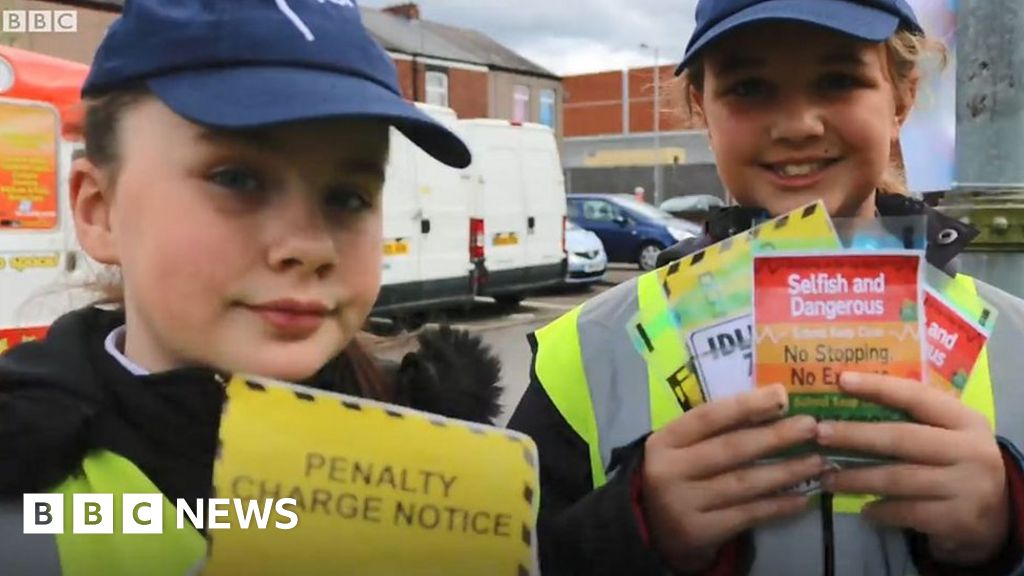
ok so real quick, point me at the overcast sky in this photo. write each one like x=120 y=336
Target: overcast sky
x=572 y=36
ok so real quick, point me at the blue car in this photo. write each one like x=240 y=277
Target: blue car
x=632 y=231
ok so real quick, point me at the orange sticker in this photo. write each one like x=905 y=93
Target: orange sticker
x=816 y=316
x=28 y=166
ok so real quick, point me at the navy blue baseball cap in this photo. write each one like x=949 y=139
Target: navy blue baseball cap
x=236 y=64
x=871 y=20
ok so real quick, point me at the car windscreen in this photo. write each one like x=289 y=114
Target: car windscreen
x=645 y=210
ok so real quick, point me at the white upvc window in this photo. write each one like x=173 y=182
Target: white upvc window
x=437 y=88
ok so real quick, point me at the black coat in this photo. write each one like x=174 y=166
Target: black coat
x=66 y=395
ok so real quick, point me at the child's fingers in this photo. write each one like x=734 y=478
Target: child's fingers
x=738 y=448
x=924 y=516
x=900 y=440
x=894 y=481
x=923 y=403
x=723 y=525
x=714 y=418
x=757 y=481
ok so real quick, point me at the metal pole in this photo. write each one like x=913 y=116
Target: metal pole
x=990 y=95
x=989 y=174
x=657 y=130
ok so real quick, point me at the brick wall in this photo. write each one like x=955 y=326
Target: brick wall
x=593 y=104
x=467 y=89
x=467 y=93
x=405 y=78
x=641 y=92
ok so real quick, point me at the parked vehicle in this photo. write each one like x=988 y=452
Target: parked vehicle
x=694 y=208
x=587 y=261
x=632 y=231
x=427 y=242
x=39 y=253
x=517 y=202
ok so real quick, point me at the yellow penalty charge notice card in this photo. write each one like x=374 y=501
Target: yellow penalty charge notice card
x=379 y=490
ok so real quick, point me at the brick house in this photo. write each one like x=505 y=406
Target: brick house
x=465 y=69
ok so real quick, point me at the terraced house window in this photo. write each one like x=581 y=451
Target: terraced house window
x=547 y=108
x=437 y=88
x=521 y=104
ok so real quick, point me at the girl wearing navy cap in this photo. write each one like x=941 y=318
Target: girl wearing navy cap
x=232 y=177
x=803 y=100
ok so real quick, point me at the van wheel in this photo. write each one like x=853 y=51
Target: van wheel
x=647 y=258
x=509 y=301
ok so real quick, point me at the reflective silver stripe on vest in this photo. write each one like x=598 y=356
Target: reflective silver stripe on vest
x=623 y=413
x=25 y=554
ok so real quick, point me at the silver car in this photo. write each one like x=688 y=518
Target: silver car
x=587 y=259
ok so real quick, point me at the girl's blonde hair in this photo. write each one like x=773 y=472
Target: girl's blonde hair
x=907 y=55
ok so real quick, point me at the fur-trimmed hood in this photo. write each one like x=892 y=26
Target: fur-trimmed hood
x=453 y=373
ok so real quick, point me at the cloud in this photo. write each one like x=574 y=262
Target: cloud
x=572 y=36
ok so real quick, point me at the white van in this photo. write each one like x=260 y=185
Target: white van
x=39 y=255
x=426 y=230
x=518 y=207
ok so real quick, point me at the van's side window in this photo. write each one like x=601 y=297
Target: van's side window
x=574 y=210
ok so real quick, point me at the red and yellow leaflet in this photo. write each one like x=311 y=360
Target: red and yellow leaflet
x=954 y=343
x=816 y=316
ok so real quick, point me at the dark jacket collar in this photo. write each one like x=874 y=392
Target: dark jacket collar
x=946 y=237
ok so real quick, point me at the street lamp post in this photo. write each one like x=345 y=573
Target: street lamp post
x=988 y=189
x=657 y=125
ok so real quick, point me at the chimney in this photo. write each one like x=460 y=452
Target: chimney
x=408 y=10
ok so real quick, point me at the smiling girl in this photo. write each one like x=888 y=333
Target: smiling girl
x=803 y=101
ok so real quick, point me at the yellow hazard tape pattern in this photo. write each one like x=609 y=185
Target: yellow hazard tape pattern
x=707 y=287
x=715 y=283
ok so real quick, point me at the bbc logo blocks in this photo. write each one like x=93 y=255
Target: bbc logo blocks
x=28 y=21
x=93 y=513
